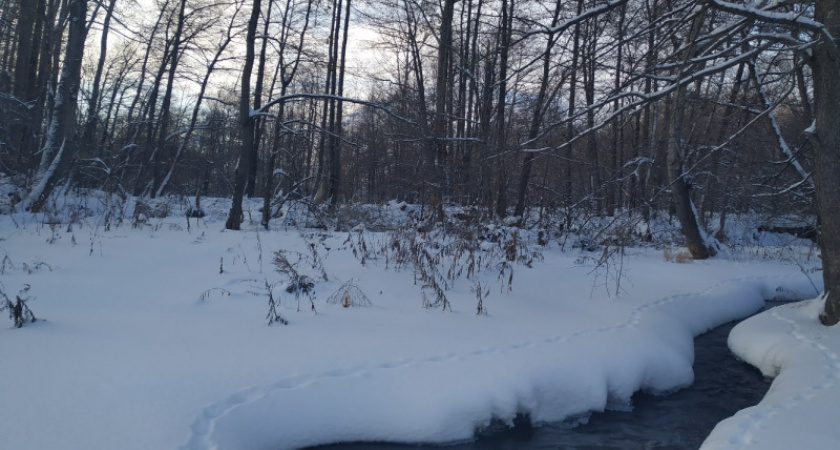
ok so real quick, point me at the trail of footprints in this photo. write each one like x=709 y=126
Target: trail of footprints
x=757 y=419
x=202 y=429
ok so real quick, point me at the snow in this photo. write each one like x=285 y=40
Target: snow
x=144 y=344
x=800 y=409
x=44 y=175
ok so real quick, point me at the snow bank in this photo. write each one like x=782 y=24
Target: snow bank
x=800 y=409
x=445 y=398
x=135 y=354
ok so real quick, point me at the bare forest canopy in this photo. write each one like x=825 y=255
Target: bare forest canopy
x=697 y=107
x=694 y=106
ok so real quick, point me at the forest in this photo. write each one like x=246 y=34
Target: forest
x=515 y=110
x=252 y=224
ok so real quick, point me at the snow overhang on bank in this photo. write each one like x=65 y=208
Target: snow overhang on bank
x=800 y=409
x=446 y=398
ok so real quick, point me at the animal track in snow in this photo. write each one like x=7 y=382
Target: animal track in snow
x=758 y=418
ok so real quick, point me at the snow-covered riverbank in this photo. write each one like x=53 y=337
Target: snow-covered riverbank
x=155 y=337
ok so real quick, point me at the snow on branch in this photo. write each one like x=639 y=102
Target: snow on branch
x=777 y=132
x=584 y=15
x=14 y=99
x=44 y=177
x=217 y=99
x=768 y=14
x=376 y=105
x=187 y=130
x=643 y=99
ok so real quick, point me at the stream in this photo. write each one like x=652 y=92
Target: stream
x=682 y=420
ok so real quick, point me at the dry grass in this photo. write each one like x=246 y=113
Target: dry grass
x=681 y=256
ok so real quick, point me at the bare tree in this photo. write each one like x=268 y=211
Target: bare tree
x=94 y=97
x=336 y=121
x=694 y=239
x=289 y=59
x=538 y=114
x=221 y=46
x=246 y=123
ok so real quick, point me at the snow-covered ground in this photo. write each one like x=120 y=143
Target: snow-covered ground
x=801 y=408
x=155 y=337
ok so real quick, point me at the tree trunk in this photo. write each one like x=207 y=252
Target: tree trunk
x=501 y=125
x=442 y=87
x=614 y=198
x=246 y=123
x=286 y=70
x=226 y=39
x=149 y=111
x=251 y=186
x=589 y=73
x=23 y=78
x=679 y=187
x=328 y=115
x=163 y=132
x=825 y=67
x=88 y=137
x=23 y=130
x=268 y=184
x=680 y=191
x=648 y=129
x=60 y=131
x=536 y=119
x=144 y=69
x=335 y=143
x=570 y=126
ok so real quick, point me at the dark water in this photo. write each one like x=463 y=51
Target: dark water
x=681 y=420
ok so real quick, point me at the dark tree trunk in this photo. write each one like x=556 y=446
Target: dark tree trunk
x=461 y=175
x=681 y=194
x=501 y=125
x=174 y=59
x=144 y=69
x=220 y=49
x=536 y=119
x=825 y=67
x=328 y=115
x=88 y=136
x=251 y=186
x=286 y=71
x=246 y=123
x=680 y=190
x=589 y=73
x=335 y=139
x=27 y=16
x=648 y=131
x=442 y=86
x=570 y=127
x=148 y=115
x=60 y=131
x=614 y=198
x=23 y=132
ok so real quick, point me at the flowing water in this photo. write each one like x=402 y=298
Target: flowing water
x=681 y=420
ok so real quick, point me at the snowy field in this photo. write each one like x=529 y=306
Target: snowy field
x=156 y=337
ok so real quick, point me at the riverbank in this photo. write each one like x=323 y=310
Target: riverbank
x=678 y=421
x=156 y=337
x=800 y=410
